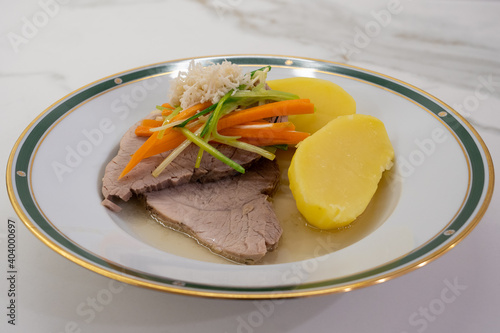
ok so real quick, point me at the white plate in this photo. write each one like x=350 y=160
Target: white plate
x=442 y=181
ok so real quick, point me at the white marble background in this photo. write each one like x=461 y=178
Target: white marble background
x=451 y=49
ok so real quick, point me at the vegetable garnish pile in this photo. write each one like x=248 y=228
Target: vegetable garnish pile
x=238 y=116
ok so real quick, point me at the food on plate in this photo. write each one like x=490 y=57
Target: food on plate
x=216 y=189
x=232 y=216
x=204 y=163
x=141 y=180
x=329 y=99
x=335 y=172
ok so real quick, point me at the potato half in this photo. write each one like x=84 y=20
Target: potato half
x=335 y=172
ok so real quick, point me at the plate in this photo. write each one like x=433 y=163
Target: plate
x=439 y=188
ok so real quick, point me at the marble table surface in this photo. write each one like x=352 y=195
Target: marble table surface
x=450 y=49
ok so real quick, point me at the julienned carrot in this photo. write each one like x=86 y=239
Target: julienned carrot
x=169 y=141
x=151 y=123
x=191 y=111
x=172 y=137
x=276 y=138
x=256 y=122
x=167 y=109
x=282 y=108
x=142 y=130
x=258 y=126
x=266 y=135
x=169 y=137
x=139 y=154
x=163 y=144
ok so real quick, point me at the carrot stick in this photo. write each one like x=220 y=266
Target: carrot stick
x=154 y=146
x=256 y=122
x=151 y=123
x=169 y=141
x=191 y=111
x=282 y=108
x=277 y=131
x=167 y=109
x=173 y=139
x=258 y=126
x=142 y=130
x=276 y=138
x=146 y=126
x=139 y=155
x=163 y=144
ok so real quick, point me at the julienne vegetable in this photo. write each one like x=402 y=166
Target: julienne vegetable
x=238 y=119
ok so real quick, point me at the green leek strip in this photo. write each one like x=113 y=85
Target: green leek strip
x=259 y=76
x=214 y=117
x=206 y=127
x=211 y=123
x=232 y=141
x=162 y=108
x=215 y=136
x=197 y=164
x=265 y=68
x=174 y=113
x=211 y=150
x=248 y=147
x=199 y=114
x=164 y=127
x=167 y=119
x=280 y=146
x=173 y=155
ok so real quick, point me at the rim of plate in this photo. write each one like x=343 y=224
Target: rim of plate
x=476 y=203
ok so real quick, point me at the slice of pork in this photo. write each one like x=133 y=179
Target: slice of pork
x=181 y=171
x=232 y=216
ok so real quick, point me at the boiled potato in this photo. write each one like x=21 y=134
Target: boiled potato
x=335 y=172
x=329 y=99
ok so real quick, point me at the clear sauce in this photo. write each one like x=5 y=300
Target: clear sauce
x=299 y=240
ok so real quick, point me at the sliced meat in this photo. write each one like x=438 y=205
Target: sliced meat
x=181 y=171
x=232 y=216
x=111 y=205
